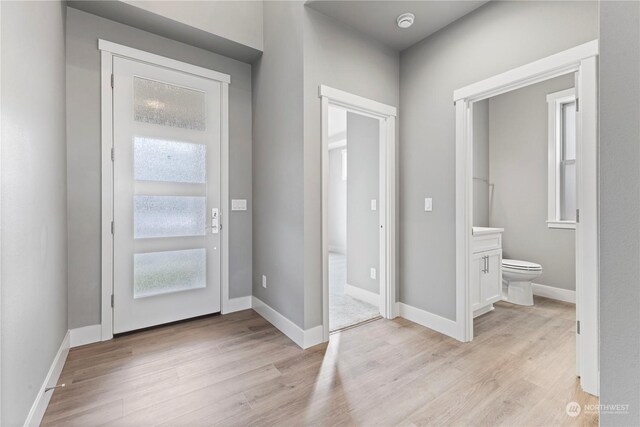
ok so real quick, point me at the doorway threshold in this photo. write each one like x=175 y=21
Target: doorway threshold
x=355 y=325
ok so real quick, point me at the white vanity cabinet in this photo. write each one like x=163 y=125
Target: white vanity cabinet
x=486 y=269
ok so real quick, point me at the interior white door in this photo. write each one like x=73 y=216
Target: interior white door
x=167 y=184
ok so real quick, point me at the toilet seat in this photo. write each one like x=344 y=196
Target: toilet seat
x=517 y=276
x=516 y=264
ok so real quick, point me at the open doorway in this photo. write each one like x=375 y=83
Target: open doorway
x=560 y=194
x=524 y=195
x=354 y=245
x=358 y=209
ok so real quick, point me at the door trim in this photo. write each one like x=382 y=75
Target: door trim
x=162 y=61
x=107 y=51
x=581 y=60
x=386 y=115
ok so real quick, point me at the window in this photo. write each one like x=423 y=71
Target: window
x=562 y=186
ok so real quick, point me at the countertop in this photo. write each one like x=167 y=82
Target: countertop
x=479 y=231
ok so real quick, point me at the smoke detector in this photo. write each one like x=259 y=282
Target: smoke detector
x=405 y=20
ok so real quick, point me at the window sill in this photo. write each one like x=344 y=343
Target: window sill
x=562 y=224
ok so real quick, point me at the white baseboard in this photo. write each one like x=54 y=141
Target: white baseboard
x=362 y=294
x=559 y=294
x=304 y=338
x=313 y=336
x=85 y=335
x=237 y=304
x=42 y=399
x=432 y=321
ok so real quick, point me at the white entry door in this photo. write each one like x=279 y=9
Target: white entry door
x=167 y=185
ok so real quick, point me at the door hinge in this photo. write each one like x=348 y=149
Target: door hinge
x=112 y=154
x=111 y=80
x=577 y=105
x=111 y=300
x=111 y=227
x=577 y=216
x=578 y=327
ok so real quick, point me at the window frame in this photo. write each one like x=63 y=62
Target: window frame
x=555 y=102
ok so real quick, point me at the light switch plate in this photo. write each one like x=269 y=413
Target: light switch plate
x=238 y=204
x=264 y=281
x=428 y=204
x=374 y=204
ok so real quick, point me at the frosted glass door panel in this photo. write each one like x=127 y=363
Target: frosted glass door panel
x=169 y=216
x=169 y=161
x=169 y=105
x=159 y=273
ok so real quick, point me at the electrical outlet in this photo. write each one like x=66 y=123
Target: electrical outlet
x=264 y=281
x=373 y=273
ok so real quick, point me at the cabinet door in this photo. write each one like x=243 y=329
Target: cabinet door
x=491 y=280
x=476 y=271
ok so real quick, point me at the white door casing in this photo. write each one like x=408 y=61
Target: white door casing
x=581 y=60
x=386 y=115
x=215 y=88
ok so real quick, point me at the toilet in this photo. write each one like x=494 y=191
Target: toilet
x=516 y=280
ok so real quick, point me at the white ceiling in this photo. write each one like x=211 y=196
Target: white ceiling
x=377 y=19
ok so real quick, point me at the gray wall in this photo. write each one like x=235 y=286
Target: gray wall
x=493 y=39
x=620 y=210
x=339 y=57
x=518 y=123
x=83 y=153
x=229 y=28
x=481 y=189
x=34 y=253
x=287 y=170
x=278 y=196
x=363 y=243
x=240 y=21
x=337 y=233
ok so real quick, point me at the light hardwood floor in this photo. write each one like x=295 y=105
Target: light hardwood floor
x=237 y=369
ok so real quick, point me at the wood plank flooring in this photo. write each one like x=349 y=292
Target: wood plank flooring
x=237 y=369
